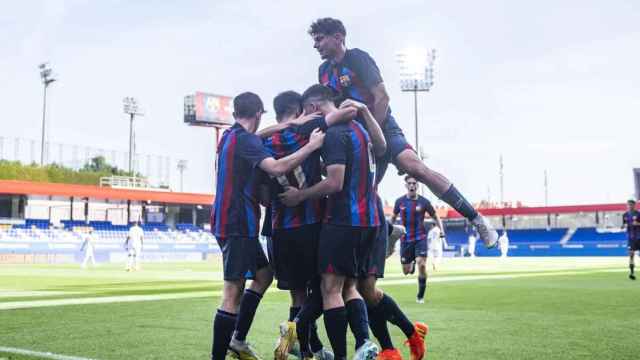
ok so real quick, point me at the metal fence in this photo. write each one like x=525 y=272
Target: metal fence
x=157 y=168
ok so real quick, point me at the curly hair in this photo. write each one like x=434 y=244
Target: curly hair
x=327 y=26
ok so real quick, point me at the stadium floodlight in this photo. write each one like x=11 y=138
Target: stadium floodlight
x=47 y=77
x=131 y=107
x=182 y=166
x=416 y=75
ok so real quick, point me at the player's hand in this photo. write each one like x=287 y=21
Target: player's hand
x=290 y=196
x=304 y=118
x=316 y=139
x=354 y=104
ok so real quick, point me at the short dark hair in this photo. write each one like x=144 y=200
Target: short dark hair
x=327 y=26
x=317 y=92
x=246 y=105
x=406 y=178
x=631 y=202
x=287 y=103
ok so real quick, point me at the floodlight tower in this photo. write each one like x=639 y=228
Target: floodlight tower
x=46 y=74
x=131 y=108
x=416 y=75
x=182 y=166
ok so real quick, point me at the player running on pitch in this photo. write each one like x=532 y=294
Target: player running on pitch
x=631 y=220
x=413 y=246
x=133 y=244
x=353 y=74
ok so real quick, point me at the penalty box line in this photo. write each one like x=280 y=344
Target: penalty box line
x=45 y=355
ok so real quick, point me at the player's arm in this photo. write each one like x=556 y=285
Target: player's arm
x=341 y=115
x=396 y=211
x=300 y=120
x=375 y=132
x=380 y=102
x=283 y=165
x=329 y=185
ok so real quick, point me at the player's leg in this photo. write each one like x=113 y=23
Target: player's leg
x=335 y=313
x=407 y=160
x=252 y=296
x=136 y=258
x=225 y=319
x=421 y=263
x=632 y=265
x=306 y=328
x=407 y=257
x=129 y=259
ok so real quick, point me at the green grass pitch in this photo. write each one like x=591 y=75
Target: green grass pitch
x=526 y=308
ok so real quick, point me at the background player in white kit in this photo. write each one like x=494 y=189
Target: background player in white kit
x=437 y=242
x=473 y=236
x=88 y=247
x=503 y=242
x=133 y=244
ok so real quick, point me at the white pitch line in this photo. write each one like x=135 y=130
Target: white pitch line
x=197 y=294
x=11 y=305
x=45 y=355
x=494 y=277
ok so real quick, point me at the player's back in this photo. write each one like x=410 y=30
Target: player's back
x=355 y=205
x=236 y=210
x=284 y=143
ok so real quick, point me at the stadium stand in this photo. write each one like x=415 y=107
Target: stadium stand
x=591 y=234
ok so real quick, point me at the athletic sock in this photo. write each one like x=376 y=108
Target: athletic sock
x=305 y=321
x=335 y=321
x=378 y=325
x=358 y=321
x=395 y=316
x=631 y=268
x=223 y=325
x=248 y=306
x=459 y=203
x=293 y=312
x=315 y=344
x=422 y=287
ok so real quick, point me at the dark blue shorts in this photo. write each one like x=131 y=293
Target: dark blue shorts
x=375 y=263
x=410 y=250
x=294 y=256
x=242 y=257
x=345 y=250
x=633 y=244
x=396 y=143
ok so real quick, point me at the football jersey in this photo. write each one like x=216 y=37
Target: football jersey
x=135 y=236
x=412 y=213
x=633 y=231
x=236 y=210
x=284 y=143
x=356 y=204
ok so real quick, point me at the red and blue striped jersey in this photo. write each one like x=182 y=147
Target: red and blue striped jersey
x=284 y=143
x=628 y=218
x=236 y=210
x=351 y=78
x=355 y=205
x=412 y=213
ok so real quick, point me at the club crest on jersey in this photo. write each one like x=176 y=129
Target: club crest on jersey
x=345 y=80
x=417 y=208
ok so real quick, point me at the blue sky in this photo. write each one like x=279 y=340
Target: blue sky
x=548 y=84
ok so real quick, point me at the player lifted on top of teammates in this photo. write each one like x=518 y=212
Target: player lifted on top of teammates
x=353 y=74
x=234 y=221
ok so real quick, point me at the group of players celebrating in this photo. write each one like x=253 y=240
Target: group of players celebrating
x=317 y=173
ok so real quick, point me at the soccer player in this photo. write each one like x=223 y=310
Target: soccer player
x=350 y=225
x=353 y=74
x=503 y=240
x=88 y=247
x=413 y=246
x=133 y=244
x=234 y=222
x=473 y=236
x=436 y=243
x=631 y=220
x=296 y=229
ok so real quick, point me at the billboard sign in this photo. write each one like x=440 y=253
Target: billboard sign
x=203 y=109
